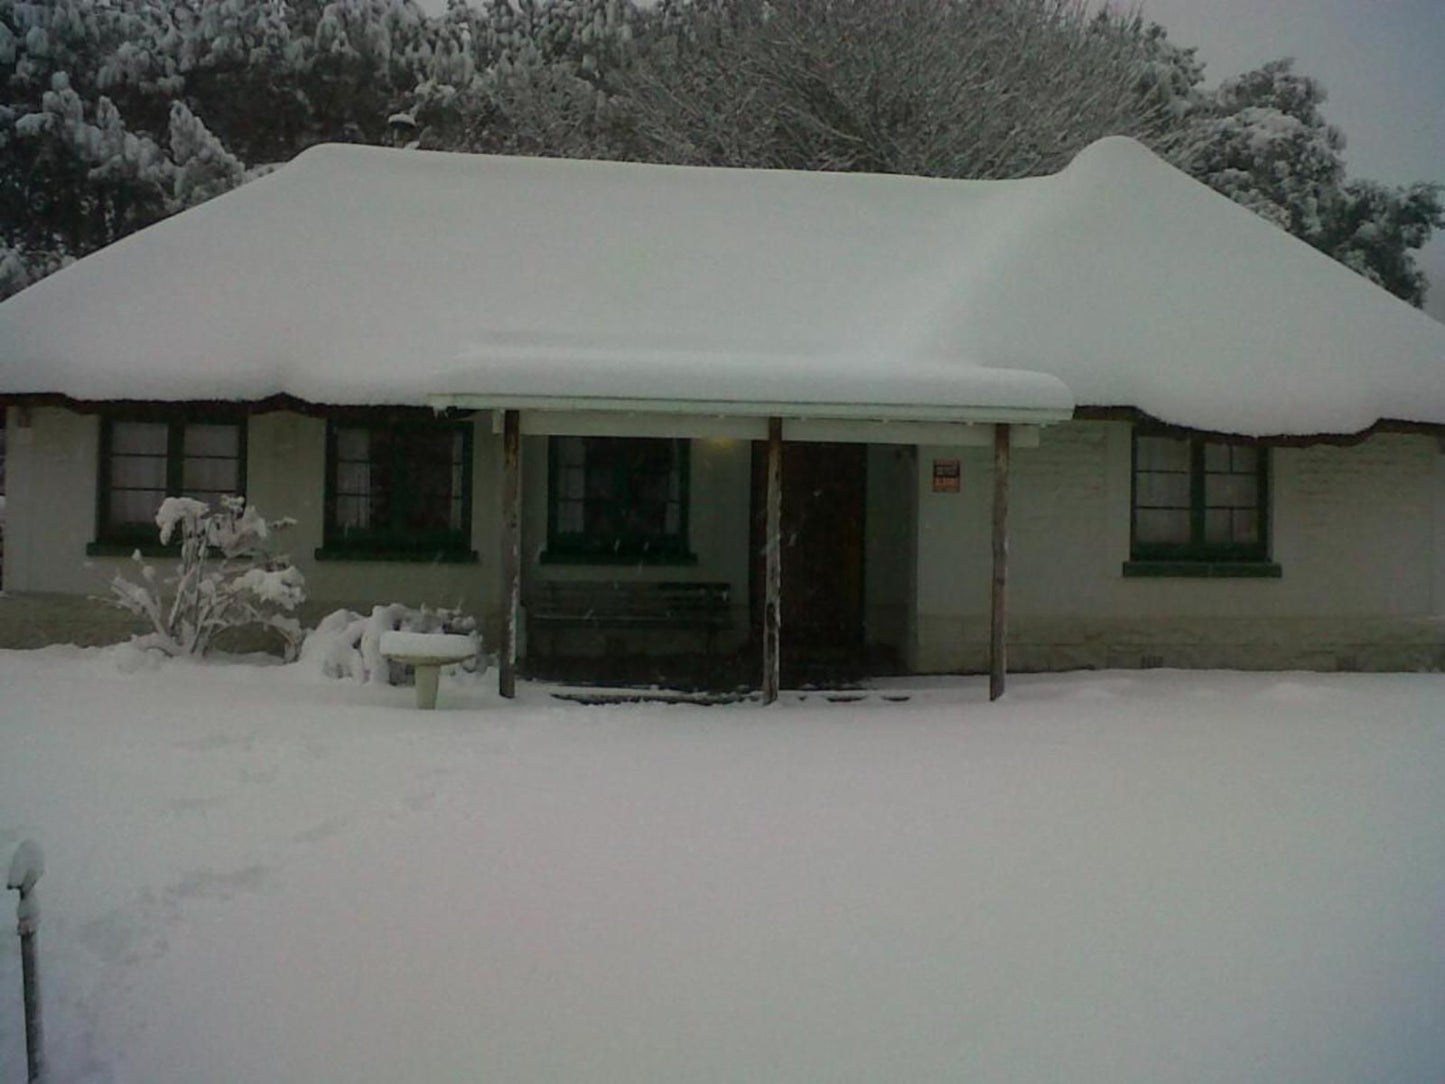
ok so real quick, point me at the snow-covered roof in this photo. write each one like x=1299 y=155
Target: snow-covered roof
x=363 y=275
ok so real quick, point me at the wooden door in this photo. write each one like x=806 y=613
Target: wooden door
x=824 y=494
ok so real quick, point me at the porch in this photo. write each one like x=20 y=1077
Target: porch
x=806 y=532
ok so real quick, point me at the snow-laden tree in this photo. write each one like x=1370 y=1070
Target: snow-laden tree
x=1262 y=140
x=80 y=176
x=1376 y=229
x=1265 y=145
x=224 y=579
x=955 y=88
x=239 y=65
x=528 y=77
x=73 y=174
x=203 y=166
x=1169 y=84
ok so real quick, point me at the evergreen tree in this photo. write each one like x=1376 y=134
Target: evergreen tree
x=1262 y=140
x=203 y=166
x=1375 y=229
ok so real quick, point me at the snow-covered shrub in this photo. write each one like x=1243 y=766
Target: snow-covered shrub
x=348 y=645
x=224 y=579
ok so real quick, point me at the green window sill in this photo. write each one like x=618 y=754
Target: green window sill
x=579 y=557
x=1244 y=570
x=416 y=557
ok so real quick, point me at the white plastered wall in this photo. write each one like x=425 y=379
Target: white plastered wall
x=1357 y=531
x=50 y=506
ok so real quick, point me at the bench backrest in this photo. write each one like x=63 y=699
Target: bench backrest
x=594 y=600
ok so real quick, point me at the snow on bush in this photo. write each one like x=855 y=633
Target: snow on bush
x=224 y=579
x=347 y=645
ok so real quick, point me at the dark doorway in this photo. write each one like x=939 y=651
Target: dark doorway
x=824 y=495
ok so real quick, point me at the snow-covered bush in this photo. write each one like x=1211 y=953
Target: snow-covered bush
x=348 y=645
x=224 y=579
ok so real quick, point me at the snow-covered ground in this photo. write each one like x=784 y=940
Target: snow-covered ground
x=257 y=875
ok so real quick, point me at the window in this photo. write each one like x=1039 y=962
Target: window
x=1199 y=502
x=617 y=498
x=145 y=460
x=398 y=490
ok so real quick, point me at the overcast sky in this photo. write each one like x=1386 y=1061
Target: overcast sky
x=1382 y=62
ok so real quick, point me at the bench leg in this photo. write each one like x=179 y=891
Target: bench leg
x=426 y=686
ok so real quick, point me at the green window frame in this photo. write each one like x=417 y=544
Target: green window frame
x=398 y=489
x=147 y=457
x=1198 y=506
x=618 y=500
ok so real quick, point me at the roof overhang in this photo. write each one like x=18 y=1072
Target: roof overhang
x=747 y=420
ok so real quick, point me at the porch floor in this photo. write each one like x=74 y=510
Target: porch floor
x=727 y=675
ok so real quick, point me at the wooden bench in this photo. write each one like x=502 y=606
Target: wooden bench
x=632 y=604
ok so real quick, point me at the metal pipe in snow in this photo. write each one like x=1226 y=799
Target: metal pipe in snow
x=25 y=869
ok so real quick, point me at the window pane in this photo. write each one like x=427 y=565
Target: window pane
x=213 y=475
x=353 y=512
x=650 y=489
x=1161 y=526
x=135 y=507
x=138 y=472
x=1246 y=527
x=620 y=493
x=404 y=483
x=569 y=517
x=353 y=479
x=213 y=440
x=572 y=451
x=1225 y=526
x=1163 y=453
x=1217 y=525
x=1162 y=491
x=599 y=479
x=139 y=438
x=1231 y=491
x=425 y=467
x=353 y=445
x=1209 y=517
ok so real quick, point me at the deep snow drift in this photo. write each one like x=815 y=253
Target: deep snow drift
x=255 y=875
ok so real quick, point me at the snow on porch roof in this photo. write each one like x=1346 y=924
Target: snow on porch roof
x=362 y=275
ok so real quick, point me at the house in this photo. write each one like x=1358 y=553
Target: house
x=1100 y=418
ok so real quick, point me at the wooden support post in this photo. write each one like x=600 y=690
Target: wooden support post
x=998 y=632
x=773 y=561
x=511 y=551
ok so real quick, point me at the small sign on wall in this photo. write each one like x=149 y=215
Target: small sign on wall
x=947 y=475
